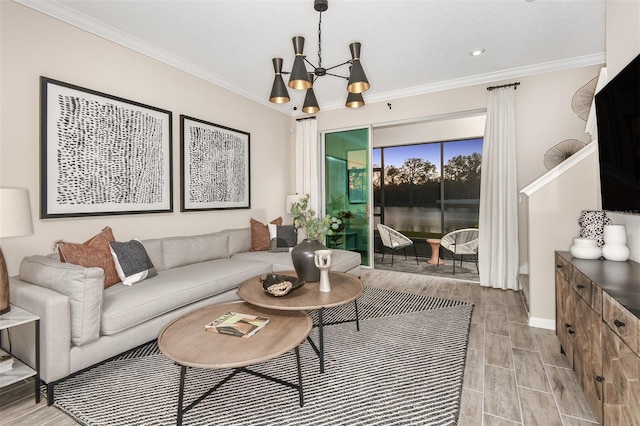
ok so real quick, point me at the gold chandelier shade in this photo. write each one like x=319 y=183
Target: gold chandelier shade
x=299 y=79
x=310 y=105
x=358 y=82
x=279 y=93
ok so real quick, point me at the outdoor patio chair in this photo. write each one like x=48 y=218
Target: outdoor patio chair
x=461 y=243
x=393 y=241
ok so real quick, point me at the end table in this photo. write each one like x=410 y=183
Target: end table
x=20 y=371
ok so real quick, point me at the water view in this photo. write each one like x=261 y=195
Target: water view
x=427 y=220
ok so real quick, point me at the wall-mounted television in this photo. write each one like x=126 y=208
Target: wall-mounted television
x=618 y=115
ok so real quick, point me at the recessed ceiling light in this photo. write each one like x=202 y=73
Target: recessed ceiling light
x=476 y=52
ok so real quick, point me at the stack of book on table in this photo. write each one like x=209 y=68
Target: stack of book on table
x=6 y=363
x=237 y=324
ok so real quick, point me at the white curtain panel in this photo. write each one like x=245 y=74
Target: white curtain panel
x=307 y=158
x=498 y=216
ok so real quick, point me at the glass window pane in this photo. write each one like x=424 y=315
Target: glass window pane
x=462 y=161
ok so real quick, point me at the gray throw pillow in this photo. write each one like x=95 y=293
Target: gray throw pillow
x=286 y=237
x=132 y=261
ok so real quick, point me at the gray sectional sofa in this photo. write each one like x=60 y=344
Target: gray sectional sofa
x=82 y=323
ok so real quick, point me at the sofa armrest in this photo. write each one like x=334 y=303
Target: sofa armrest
x=53 y=309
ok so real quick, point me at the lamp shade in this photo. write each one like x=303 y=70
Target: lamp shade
x=299 y=79
x=310 y=105
x=291 y=199
x=358 y=82
x=354 y=100
x=279 y=94
x=15 y=221
x=15 y=213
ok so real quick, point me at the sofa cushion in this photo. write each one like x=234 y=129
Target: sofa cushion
x=93 y=252
x=125 y=307
x=153 y=248
x=83 y=286
x=341 y=260
x=239 y=240
x=132 y=262
x=180 y=251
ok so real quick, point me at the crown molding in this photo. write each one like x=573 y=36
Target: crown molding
x=63 y=13
x=577 y=62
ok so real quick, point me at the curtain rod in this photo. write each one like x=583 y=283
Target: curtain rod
x=306 y=118
x=515 y=86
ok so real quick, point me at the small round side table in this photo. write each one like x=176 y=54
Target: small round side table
x=435 y=251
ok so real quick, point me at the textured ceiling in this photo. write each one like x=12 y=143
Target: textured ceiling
x=408 y=46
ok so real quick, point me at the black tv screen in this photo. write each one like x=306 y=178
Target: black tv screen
x=618 y=115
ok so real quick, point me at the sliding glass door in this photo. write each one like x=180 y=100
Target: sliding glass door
x=347 y=189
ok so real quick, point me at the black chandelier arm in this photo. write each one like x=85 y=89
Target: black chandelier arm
x=336 y=75
x=311 y=63
x=339 y=65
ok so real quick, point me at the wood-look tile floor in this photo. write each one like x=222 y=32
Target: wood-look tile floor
x=514 y=375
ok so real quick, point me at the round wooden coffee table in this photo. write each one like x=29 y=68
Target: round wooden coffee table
x=186 y=342
x=344 y=289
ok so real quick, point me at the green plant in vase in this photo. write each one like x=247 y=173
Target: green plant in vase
x=316 y=230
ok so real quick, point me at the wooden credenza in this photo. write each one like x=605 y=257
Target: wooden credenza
x=598 y=325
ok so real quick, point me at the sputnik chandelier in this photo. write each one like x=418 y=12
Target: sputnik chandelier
x=301 y=79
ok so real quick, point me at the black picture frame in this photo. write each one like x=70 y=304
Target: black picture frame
x=101 y=154
x=215 y=166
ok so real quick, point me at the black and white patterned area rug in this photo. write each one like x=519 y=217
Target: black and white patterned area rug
x=404 y=367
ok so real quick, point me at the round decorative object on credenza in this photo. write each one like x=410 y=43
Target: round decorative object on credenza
x=615 y=240
x=585 y=248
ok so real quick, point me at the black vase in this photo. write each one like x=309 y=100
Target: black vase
x=302 y=256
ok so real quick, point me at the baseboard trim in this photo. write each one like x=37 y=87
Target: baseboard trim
x=542 y=323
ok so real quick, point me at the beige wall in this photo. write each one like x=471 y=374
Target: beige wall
x=543 y=118
x=34 y=45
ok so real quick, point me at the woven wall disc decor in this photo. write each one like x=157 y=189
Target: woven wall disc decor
x=560 y=152
x=581 y=102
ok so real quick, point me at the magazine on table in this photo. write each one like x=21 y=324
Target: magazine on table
x=237 y=324
x=6 y=363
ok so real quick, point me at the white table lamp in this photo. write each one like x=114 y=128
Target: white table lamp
x=291 y=199
x=15 y=221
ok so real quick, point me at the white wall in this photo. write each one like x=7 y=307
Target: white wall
x=34 y=45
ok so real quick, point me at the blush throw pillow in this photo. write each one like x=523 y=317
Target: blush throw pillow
x=260 y=234
x=132 y=261
x=94 y=252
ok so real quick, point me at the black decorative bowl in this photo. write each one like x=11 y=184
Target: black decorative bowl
x=280 y=285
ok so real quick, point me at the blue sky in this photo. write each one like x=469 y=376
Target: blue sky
x=430 y=151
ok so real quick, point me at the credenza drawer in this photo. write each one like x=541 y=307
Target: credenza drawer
x=588 y=291
x=623 y=323
x=564 y=268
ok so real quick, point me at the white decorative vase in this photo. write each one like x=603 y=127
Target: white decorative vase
x=585 y=248
x=322 y=260
x=615 y=240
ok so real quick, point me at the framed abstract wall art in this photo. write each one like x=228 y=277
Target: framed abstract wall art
x=101 y=154
x=214 y=166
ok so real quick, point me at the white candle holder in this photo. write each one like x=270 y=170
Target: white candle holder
x=322 y=259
